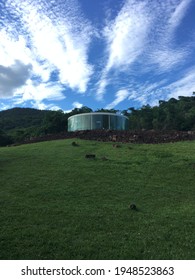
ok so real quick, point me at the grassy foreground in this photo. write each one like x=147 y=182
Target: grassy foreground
x=55 y=204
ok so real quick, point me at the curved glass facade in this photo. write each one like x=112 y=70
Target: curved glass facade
x=93 y=121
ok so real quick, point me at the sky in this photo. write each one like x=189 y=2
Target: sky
x=65 y=54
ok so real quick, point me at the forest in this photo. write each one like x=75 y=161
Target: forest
x=19 y=124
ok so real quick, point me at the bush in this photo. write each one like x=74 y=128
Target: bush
x=5 y=139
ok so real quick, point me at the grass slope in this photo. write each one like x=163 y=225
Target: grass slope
x=55 y=204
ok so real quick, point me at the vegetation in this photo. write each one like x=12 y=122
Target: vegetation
x=4 y=139
x=19 y=124
x=56 y=204
x=169 y=115
x=24 y=123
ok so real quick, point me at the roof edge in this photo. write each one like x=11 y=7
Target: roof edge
x=98 y=113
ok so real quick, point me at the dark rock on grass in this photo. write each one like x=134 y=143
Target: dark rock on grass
x=75 y=144
x=132 y=206
x=90 y=156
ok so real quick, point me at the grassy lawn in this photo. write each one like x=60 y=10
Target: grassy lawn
x=56 y=204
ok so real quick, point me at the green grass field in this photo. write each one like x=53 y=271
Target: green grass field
x=56 y=204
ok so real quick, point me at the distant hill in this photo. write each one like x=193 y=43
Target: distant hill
x=21 y=118
x=18 y=124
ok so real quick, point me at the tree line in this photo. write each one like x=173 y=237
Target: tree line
x=18 y=124
x=174 y=114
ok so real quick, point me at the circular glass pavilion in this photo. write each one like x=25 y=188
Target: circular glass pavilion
x=97 y=120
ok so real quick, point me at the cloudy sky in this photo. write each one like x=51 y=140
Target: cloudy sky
x=62 y=54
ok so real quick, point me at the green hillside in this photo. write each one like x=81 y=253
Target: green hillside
x=23 y=123
x=56 y=204
x=20 y=124
x=21 y=118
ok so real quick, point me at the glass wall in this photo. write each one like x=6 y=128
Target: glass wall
x=96 y=121
x=113 y=122
x=92 y=121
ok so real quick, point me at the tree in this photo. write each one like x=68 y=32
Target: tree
x=113 y=111
x=81 y=110
x=5 y=139
x=54 y=122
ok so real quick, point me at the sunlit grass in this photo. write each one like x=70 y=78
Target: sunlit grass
x=56 y=204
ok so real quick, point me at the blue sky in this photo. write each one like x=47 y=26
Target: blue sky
x=62 y=54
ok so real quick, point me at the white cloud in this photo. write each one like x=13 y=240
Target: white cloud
x=120 y=96
x=46 y=42
x=55 y=41
x=147 y=92
x=77 y=105
x=12 y=49
x=43 y=106
x=45 y=50
x=141 y=40
x=101 y=87
x=167 y=58
x=183 y=86
x=126 y=38
x=164 y=52
x=51 y=91
x=127 y=35
x=178 y=14
x=163 y=90
x=4 y=106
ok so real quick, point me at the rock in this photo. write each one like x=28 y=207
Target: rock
x=75 y=144
x=132 y=206
x=90 y=156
